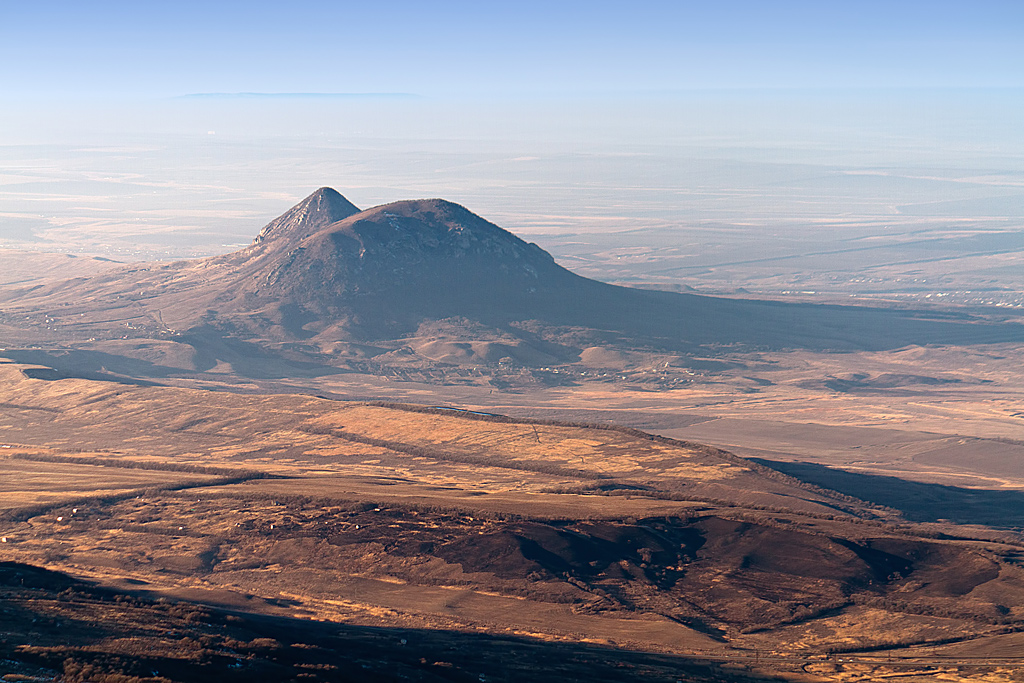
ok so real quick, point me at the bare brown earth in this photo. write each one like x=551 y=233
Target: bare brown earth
x=404 y=517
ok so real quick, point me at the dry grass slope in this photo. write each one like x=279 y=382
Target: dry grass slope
x=401 y=516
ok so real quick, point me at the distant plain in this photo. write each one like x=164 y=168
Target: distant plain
x=815 y=195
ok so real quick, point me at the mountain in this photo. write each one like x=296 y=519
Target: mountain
x=430 y=277
x=379 y=273
x=315 y=212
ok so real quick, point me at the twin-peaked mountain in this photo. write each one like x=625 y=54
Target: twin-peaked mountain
x=385 y=270
x=326 y=279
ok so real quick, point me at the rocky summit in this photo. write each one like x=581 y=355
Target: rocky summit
x=318 y=210
x=405 y=257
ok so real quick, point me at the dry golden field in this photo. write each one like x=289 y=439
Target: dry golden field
x=407 y=517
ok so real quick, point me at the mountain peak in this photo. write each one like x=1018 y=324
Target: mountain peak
x=429 y=231
x=318 y=210
x=436 y=225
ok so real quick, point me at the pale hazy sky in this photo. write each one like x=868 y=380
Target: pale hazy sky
x=457 y=47
x=629 y=138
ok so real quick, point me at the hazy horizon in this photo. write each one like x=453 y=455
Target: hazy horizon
x=674 y=143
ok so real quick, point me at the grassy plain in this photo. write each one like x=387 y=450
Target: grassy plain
x=26 y=483
x=405 y=517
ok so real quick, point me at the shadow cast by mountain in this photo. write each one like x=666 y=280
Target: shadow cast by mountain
x=247 y=359
x=919 y=502
x=94 y=365
x=207 y=348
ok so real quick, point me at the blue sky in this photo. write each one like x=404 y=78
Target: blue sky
x=519 y=48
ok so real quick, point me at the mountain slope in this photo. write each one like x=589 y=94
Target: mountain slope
x=317 y=211
x=326 y=273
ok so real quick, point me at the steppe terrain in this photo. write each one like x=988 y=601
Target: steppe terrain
x=406 y=441
x=427 y=521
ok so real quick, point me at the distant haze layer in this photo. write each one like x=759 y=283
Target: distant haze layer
x=908 y=194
